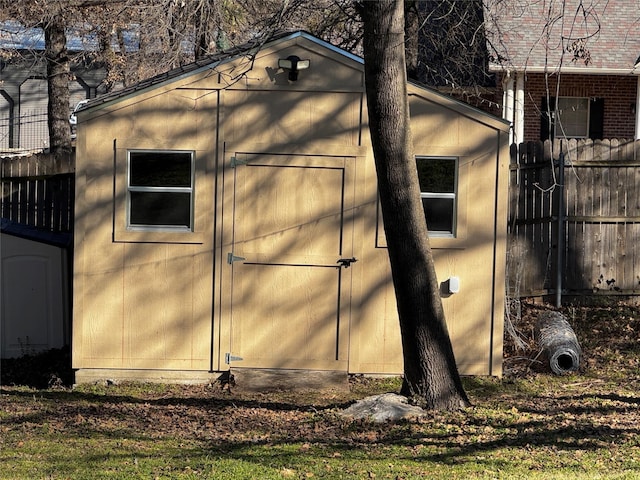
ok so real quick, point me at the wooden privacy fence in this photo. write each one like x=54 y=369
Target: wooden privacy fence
x=38 y=191
x=574 y=218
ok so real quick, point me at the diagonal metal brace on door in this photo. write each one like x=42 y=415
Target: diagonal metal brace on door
x=232 y=258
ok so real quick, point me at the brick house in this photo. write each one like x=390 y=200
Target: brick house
x=566 y=69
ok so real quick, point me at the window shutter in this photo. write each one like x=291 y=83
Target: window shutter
x=596 y=118
x=547 y=127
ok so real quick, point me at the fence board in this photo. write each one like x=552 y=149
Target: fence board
x=620 y=260
x=14 y=207
x=32 y=203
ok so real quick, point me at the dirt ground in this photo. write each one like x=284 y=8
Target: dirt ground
x=609 y=370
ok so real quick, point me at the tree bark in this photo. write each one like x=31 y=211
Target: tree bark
x=411 y=44
x=58 y=74
x=202 y=25
x=430 y=372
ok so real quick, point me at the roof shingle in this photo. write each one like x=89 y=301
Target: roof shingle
x=548 y=34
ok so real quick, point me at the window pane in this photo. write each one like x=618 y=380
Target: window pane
x=160 y=208
x=573 y=114
x=437 y=175
x=439 y=214
x=160 y=169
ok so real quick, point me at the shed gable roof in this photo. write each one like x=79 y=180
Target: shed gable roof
x=600 y=36
x=248 y=50
x=251 y=49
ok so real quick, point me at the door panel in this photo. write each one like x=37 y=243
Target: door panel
x=289 y=296
x=287 y=317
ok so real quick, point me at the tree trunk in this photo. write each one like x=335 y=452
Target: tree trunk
x=203 y=33
x=109 y=57
x=411 y=29
x=430 y=372
x=58 y=74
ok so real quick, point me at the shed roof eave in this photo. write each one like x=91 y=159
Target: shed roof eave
x=109 y=99
x=458 y=106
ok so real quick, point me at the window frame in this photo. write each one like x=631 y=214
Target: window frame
x=437 y=242
x=444 y=195
x=160 y=189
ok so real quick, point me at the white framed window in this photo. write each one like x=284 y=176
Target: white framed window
x=572 y=117
x=438 y=177
x=160 y=190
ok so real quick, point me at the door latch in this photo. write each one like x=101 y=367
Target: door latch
x=346 y=262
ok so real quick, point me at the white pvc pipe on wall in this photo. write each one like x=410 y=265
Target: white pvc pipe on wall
x=519 y=109
x=638 y=110
x=507 y=104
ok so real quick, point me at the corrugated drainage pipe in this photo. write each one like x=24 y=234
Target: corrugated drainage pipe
x=559 y=342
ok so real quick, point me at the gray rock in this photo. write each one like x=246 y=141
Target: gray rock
x=383 y=408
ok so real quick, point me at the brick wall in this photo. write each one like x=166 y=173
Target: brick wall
x=619 y=95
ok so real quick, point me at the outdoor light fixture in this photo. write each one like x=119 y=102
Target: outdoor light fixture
x=294 y=65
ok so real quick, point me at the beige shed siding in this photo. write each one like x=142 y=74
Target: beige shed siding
x=145 y=299
x=156 y=301
x=376 y=341
x=299 y=118
x=474 y=316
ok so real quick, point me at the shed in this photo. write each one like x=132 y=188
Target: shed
x=227 y=215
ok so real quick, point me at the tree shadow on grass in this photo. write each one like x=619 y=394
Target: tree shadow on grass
x=231 y=425
x=216 y=427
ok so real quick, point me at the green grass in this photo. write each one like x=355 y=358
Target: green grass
x=531 y=425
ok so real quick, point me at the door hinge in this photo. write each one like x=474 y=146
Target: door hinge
x=232 y=258
x=228 y=358
x=234 y=162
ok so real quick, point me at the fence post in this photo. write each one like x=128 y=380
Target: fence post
x=560 y=229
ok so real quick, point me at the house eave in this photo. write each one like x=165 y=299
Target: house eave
x=572 y=70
